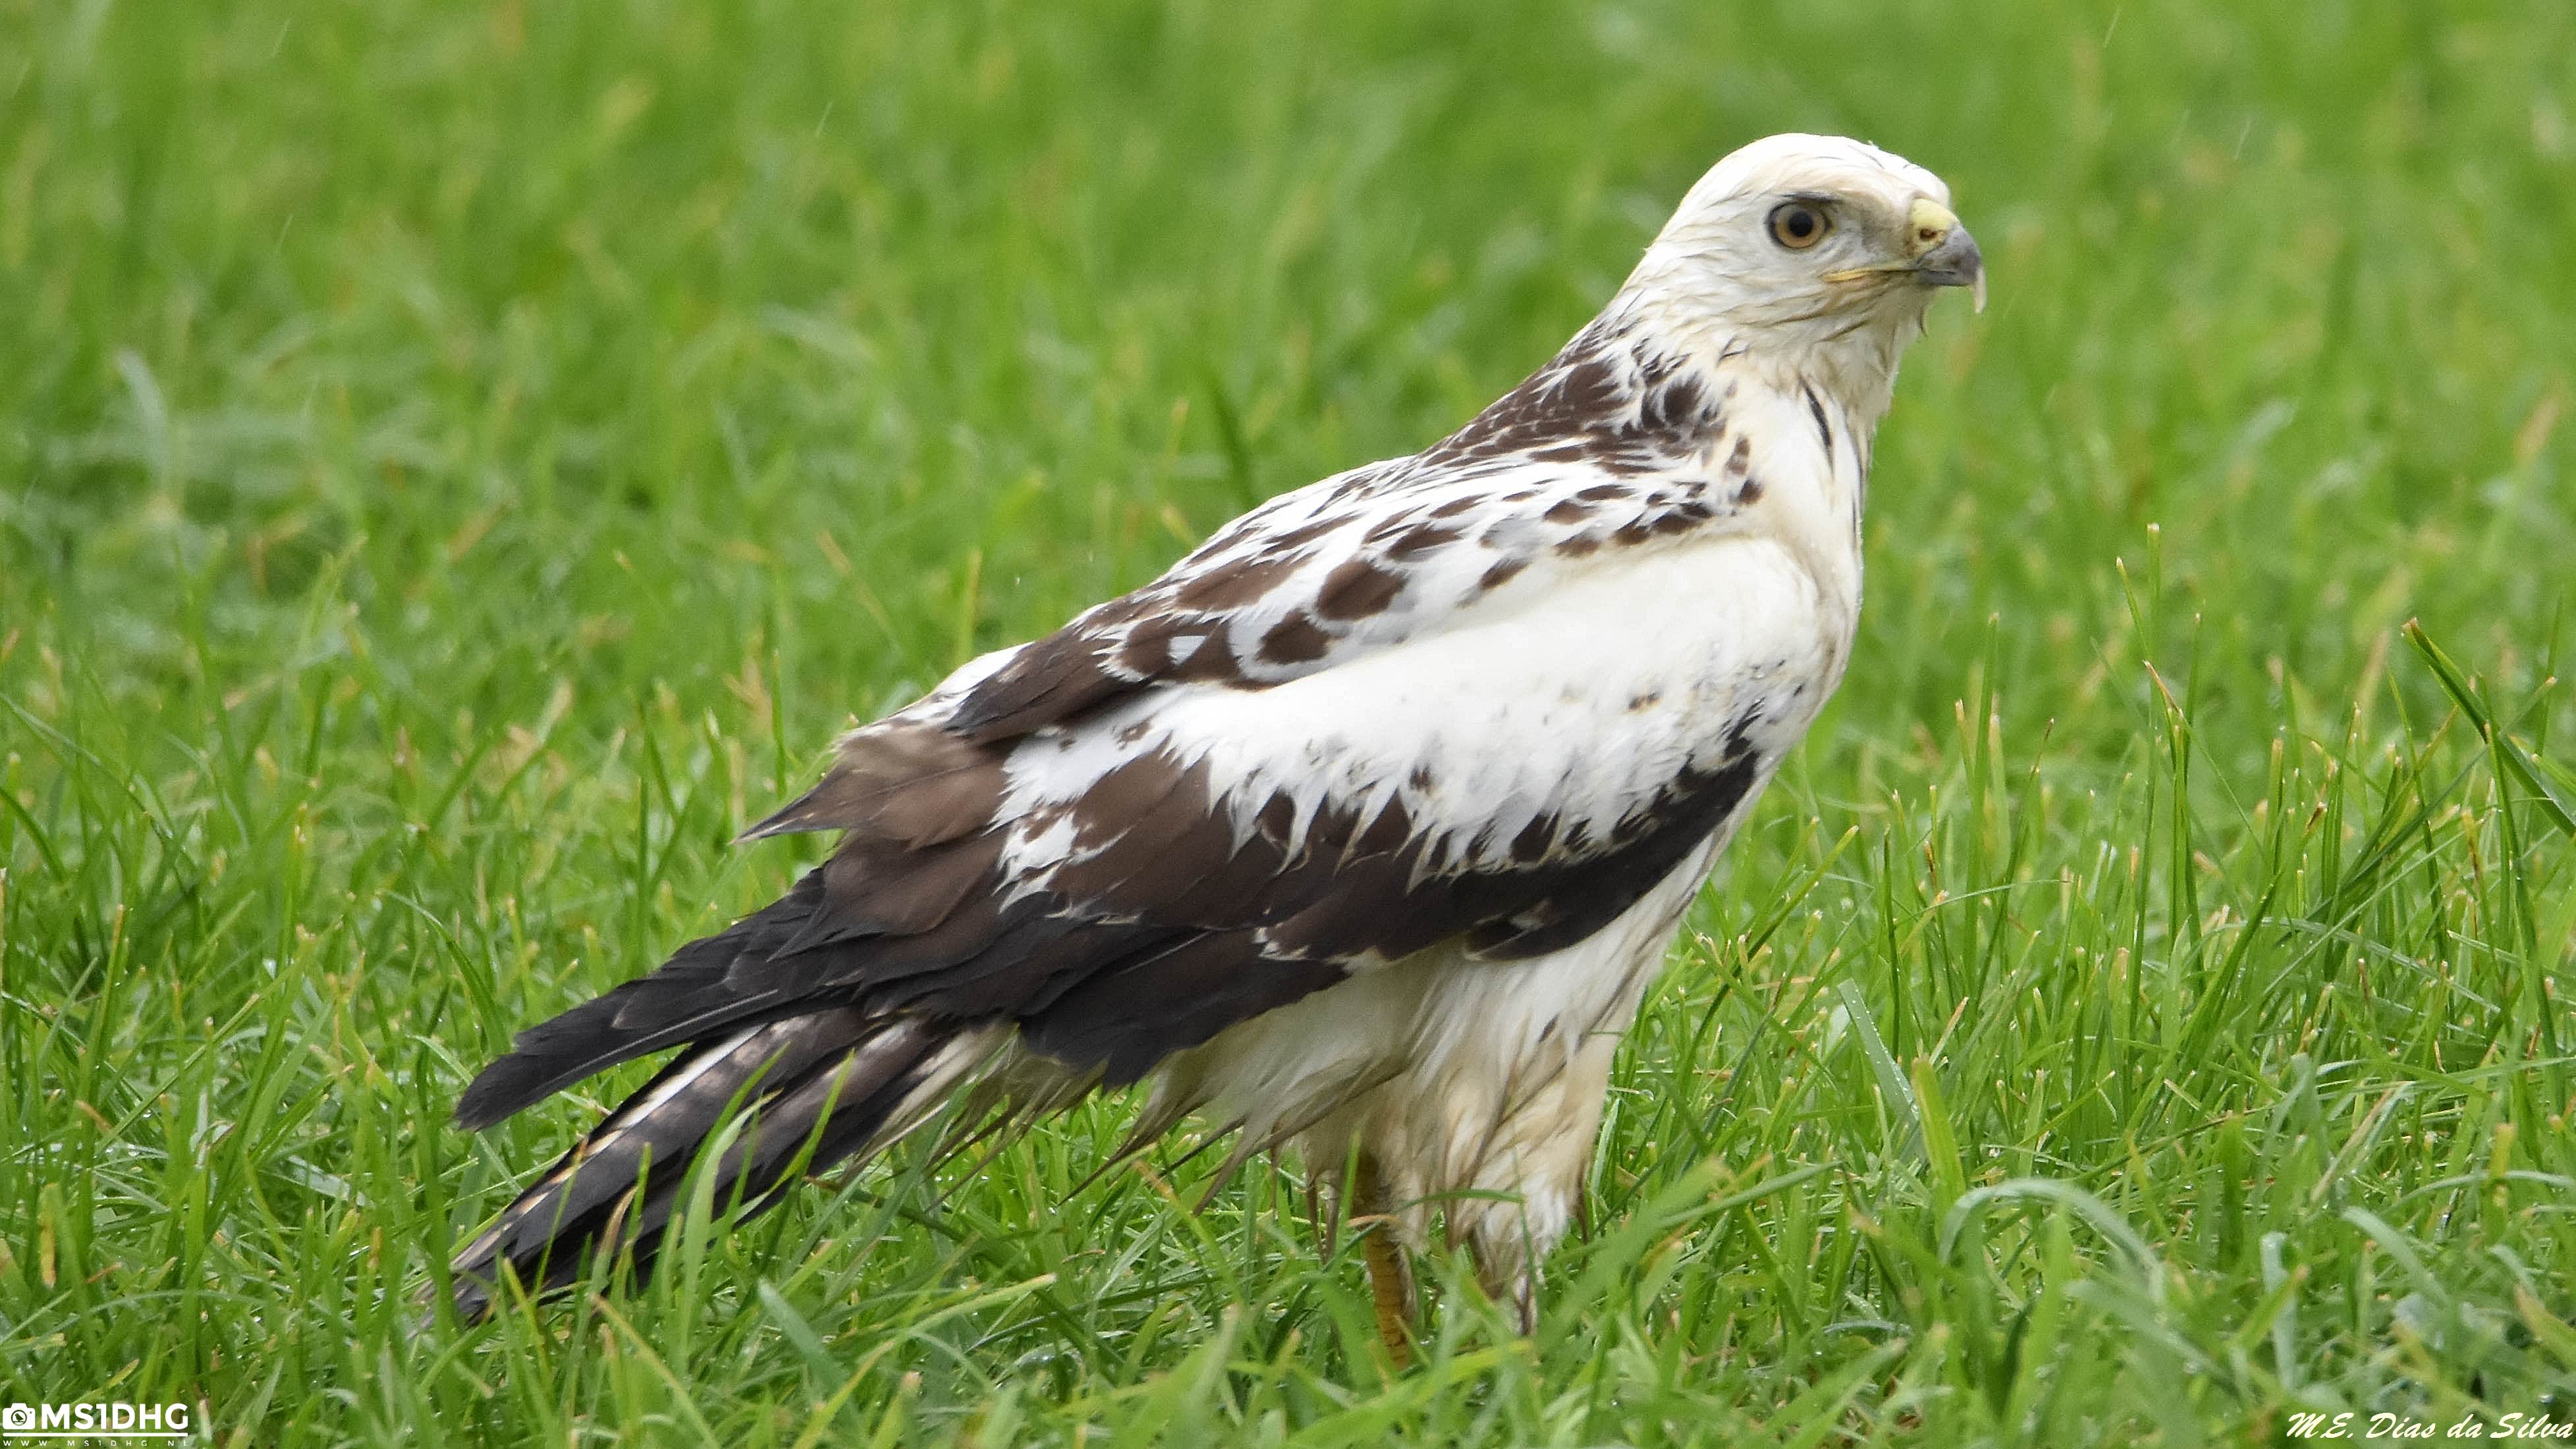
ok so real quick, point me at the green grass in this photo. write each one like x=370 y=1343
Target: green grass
x=460 y=463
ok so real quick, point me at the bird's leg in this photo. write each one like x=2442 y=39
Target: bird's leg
x=1391 y=1285
x=1390 y=1281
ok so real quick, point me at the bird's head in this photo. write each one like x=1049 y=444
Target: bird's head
x=1812 y=256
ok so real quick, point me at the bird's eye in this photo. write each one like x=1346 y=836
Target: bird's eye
x=1798 y=225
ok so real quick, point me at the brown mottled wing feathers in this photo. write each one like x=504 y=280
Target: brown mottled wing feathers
x=913 y=783
x=1160 y=926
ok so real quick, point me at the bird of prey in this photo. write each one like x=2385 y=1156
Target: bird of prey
x=1363 y=830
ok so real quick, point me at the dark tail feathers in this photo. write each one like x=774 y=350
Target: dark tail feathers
x=727 y=980
x=837 y=1078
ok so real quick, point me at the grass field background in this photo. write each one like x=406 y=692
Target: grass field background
x=462 y=462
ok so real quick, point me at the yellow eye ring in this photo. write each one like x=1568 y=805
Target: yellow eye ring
x=1798 y=225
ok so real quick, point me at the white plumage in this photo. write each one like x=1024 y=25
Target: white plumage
x=1368 y=825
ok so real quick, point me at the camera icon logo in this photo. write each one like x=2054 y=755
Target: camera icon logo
x=18 y=1416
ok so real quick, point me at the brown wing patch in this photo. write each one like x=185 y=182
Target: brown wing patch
x=1160 y=928
x=1357 y=589
x=1050 y=679
x=1184 y=646
x=1611 y=400
x=1421 y=539
x=913 y=785
x=1173 y=631
x=1294 y=640
x=1234 y=584
x=875 y=887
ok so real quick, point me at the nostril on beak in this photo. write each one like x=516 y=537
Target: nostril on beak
x=1931 y=224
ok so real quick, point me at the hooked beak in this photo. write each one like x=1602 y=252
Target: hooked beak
x=1944 y=254
x=1939 y=253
